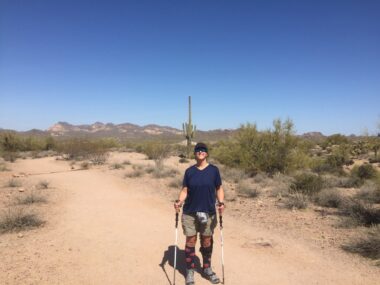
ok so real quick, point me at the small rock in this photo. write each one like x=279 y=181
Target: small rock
x=21 y=189
x=20 y=235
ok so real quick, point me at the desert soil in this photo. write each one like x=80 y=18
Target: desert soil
x=102 y=228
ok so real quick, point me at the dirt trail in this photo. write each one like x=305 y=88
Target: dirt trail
x=111 y=230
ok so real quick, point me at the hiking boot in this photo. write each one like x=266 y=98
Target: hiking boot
x=210 y=275
x=190 y=277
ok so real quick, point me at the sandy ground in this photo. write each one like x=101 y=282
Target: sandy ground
x=102 y=228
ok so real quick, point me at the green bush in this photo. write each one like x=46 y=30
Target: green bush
x=307 y=183
x=364 y=171
x=270 y=151
x=80 y=149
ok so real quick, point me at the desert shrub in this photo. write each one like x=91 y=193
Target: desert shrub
x=307 y=183
x=296 y=201
x=341 y=181
x=80 y=149
x=160 y=171
x=156 y=150
x=246 y=189
x=183 y=160
x=13 y=183
x=229 y=194
x=16 y=219
x=3 y=167
x=43 y=184
x=369 y=192
x=360 y=213
x=85 y=165
x=335 y=139
x=364 y=171
x=11 y=143
x=367 y=246
x=270 y=151
x=134 y=174
x=126 y=162
x=280 y=185
x=176 y=183
x=31 y=198
x=233 y=174
x=329 y=197
x=98 y=158
x=116 y=166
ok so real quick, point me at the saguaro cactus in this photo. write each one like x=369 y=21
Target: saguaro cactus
x=188 y=131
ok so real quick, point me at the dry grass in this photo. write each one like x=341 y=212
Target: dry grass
x=15 y=219
x=43 y=184
x=246 y=189
x=296 y=201
x=360 y=213
x=31 y=198
x=14 y=183
x=330 y=197
x=116 y=166
x=134 y=174
x=367 y=246
x=176 y=183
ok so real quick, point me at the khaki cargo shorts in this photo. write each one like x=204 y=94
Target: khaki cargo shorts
x=191 y=226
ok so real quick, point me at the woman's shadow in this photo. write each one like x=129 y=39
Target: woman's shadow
x=180 y=266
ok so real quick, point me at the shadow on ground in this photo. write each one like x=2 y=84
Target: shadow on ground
x=180 y=266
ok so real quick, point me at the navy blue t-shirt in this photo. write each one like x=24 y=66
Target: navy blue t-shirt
x=201 y=189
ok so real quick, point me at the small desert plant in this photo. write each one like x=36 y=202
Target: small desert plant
x=246 y=189
x=14 y=183
x=234 y=175
x=367 y=246
x=3 y=167
x=43 y=184
x=330 y=197
x=183 y=160
x=85 y=165
x=360 y=213
x=307 y=183
x=31 y=198
x=296 y=201
x=369 y=192
x=16 y=219
x=116 y=166
x=126 y=162
x=134 y=174
x=162 y=172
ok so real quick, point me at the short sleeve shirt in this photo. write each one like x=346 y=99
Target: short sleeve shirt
x=201 y=189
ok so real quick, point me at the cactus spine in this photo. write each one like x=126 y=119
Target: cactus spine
x=188 y=131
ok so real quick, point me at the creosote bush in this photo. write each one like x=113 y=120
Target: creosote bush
x=270 y=151
x=364 y=171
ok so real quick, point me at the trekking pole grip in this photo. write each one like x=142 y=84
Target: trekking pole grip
x=176 y=219
x=221 y=221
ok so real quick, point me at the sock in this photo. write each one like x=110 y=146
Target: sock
x=206 y=255
x=190 y=254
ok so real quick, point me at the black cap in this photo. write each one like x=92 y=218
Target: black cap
x=200 y=146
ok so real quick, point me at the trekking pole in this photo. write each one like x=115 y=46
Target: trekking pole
x=175 y=246
x=221 y=243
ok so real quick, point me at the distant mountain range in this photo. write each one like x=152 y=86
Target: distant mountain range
x=133 y=131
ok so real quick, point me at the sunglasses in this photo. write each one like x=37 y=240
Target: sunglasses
x=200 y=150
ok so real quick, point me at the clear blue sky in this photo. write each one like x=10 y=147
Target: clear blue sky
x=316 y=62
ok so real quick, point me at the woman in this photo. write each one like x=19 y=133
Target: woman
x=202 y=184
